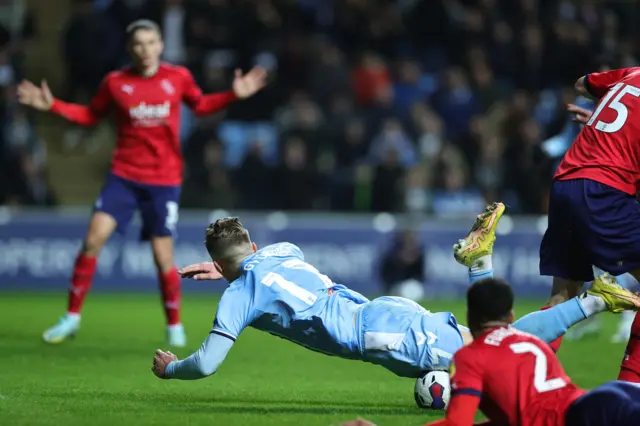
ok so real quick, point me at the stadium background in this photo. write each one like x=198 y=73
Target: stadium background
x=423 y=109
x=388 y=125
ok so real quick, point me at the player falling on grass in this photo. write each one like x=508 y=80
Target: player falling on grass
x=276 y=291
x=146 y=171
x=630 y=368
x=528 y=386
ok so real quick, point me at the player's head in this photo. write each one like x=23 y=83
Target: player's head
x=489 y=304
x=144 y=41
x=228 y=244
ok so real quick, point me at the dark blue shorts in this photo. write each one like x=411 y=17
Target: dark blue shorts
x=158 y=205
x=590 y=224
x=612 y=404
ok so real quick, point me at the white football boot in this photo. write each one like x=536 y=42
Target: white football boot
x=66 y=328
x=176 y=336
x=624 y=327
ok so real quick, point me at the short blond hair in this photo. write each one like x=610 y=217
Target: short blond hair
x=227 y=238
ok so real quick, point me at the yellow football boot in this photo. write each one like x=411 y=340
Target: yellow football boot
x=479 y=241
x=616 y=297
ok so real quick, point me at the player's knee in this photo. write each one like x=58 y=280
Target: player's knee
x=162 y=253
x=100 y=229
x=92 y=245
x=93 y=242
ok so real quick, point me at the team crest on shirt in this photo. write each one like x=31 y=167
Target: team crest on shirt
x=128 y=89
x=167 y=87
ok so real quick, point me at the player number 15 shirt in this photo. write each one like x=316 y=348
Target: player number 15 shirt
x=607 y=150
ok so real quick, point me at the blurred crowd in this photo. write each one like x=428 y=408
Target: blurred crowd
x=23 y=178
x=435 y=106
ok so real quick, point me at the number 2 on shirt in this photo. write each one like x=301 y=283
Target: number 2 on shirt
x=619 y=90
x=540 y=372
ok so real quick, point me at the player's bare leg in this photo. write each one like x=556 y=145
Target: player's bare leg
x=100 y=229
x=169 y=281
x=563 y=290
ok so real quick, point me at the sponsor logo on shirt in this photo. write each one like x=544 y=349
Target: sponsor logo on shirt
x=149 y=114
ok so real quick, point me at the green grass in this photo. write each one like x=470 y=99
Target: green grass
x=103 y=377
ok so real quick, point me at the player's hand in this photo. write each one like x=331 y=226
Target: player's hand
x=250 y=83
x=160 y=362
x=359 y=422
x=36 y=97
x=581 y=115
x=200 y=271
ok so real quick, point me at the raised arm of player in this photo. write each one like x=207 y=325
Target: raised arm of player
x=596 y=84
x=244 y=86
x=41 y=99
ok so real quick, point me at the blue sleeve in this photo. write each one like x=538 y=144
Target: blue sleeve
x=204 y=362
x=235 y=310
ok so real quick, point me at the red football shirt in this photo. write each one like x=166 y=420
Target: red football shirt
x=147 y=115
x=607 y=150
x=518 y=376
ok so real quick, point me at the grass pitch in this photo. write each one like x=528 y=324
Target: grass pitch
x=103 y=377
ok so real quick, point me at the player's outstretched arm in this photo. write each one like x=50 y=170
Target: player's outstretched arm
x=200 y=271
x=244 y=86
x=199 y=365
x=41 y=98
x=36 y=97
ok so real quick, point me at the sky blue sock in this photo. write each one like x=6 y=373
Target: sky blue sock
x=627 y=281
x=479 y=275
x=482 y=268
x=552 y=323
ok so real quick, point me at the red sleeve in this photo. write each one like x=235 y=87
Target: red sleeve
x=86 y=115
x=466 y=388
x=204 y=104
x=460 y=412
x=466 y=371
x=599 y=83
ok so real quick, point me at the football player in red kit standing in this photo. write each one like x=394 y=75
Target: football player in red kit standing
x=594 y=218
x=146 y=170
x=630 y=368
x=528 y=387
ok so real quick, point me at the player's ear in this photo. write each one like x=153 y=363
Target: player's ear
x=512 y=317
x=254 y=246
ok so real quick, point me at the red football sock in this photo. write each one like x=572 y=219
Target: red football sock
x=555 y=345
x=628 y=376
x=630 y=367
x=170 y=288
x=83 y=271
